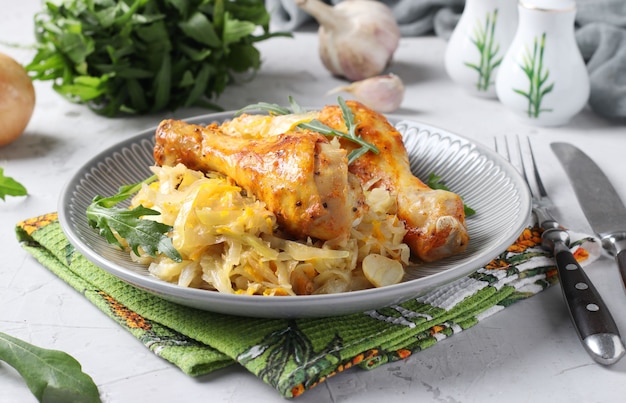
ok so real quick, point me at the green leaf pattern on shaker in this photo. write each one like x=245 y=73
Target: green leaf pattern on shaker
x=488 y=48
x=537 y=73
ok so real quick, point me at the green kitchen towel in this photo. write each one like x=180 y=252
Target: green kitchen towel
x=294 y=355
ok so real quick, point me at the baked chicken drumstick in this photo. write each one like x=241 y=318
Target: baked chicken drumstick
x=434 y=218
x=301 y=177
x=305 y=179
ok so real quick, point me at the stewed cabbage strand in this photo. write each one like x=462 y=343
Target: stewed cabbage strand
x=231 y=243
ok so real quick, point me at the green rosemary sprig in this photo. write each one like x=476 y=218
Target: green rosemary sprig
x=319 y=127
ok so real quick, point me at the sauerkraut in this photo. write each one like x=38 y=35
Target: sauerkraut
x=231 y=243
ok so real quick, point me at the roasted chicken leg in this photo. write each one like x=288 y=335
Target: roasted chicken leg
x=434 y=219
x=304 y=178
x=301 y=177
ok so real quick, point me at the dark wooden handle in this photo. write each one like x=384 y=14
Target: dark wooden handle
x=589 y=312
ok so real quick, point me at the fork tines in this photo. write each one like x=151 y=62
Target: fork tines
x=516 y=154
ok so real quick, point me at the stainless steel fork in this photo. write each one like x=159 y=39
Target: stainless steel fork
x=590 y=315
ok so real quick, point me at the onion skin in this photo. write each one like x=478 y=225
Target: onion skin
x=17 y=99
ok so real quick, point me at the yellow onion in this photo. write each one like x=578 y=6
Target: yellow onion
x=17 y=99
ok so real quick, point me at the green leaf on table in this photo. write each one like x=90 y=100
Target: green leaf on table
x=51 y=375
x=10 y=187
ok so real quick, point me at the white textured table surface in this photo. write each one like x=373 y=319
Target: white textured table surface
x=528 y=352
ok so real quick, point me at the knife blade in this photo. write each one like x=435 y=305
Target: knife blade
x=599 y=200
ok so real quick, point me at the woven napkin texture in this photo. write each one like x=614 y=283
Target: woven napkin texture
x=293 y=355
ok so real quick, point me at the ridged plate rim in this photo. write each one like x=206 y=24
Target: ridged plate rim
x=485 y=180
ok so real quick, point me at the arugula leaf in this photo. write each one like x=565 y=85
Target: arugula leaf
x=144 y=56
x=124 y=192
x=10 y=187
x=51 y=375
x=436 y=182
x=150 y=235
x=317 y=126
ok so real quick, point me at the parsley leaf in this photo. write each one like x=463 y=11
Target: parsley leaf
x=10 y=187
x=436 y=182
x=144 y=56
x=150 y=235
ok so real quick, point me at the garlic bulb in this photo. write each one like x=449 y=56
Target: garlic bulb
x=381 y=93
x=357 y=38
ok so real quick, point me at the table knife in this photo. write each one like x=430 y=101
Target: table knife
x=599 y=200
x=607 y=215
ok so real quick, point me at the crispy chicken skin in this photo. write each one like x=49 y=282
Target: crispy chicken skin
x=307 y=182
x=435 y=219
x=301 y=177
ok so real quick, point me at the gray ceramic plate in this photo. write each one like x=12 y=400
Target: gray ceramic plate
x=486 y=181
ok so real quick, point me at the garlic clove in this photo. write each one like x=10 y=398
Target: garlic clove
x=357 y=38
x=381 y=270
x=381 y=93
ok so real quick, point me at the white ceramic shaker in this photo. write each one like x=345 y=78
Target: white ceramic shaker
x=543 y=78
x=478 y=44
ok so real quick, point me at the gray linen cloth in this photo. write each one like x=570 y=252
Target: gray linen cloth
x=600 y=33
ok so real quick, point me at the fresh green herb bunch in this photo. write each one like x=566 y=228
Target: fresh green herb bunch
x=144 y=56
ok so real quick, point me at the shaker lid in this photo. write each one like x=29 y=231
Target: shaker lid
x=549 y=5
